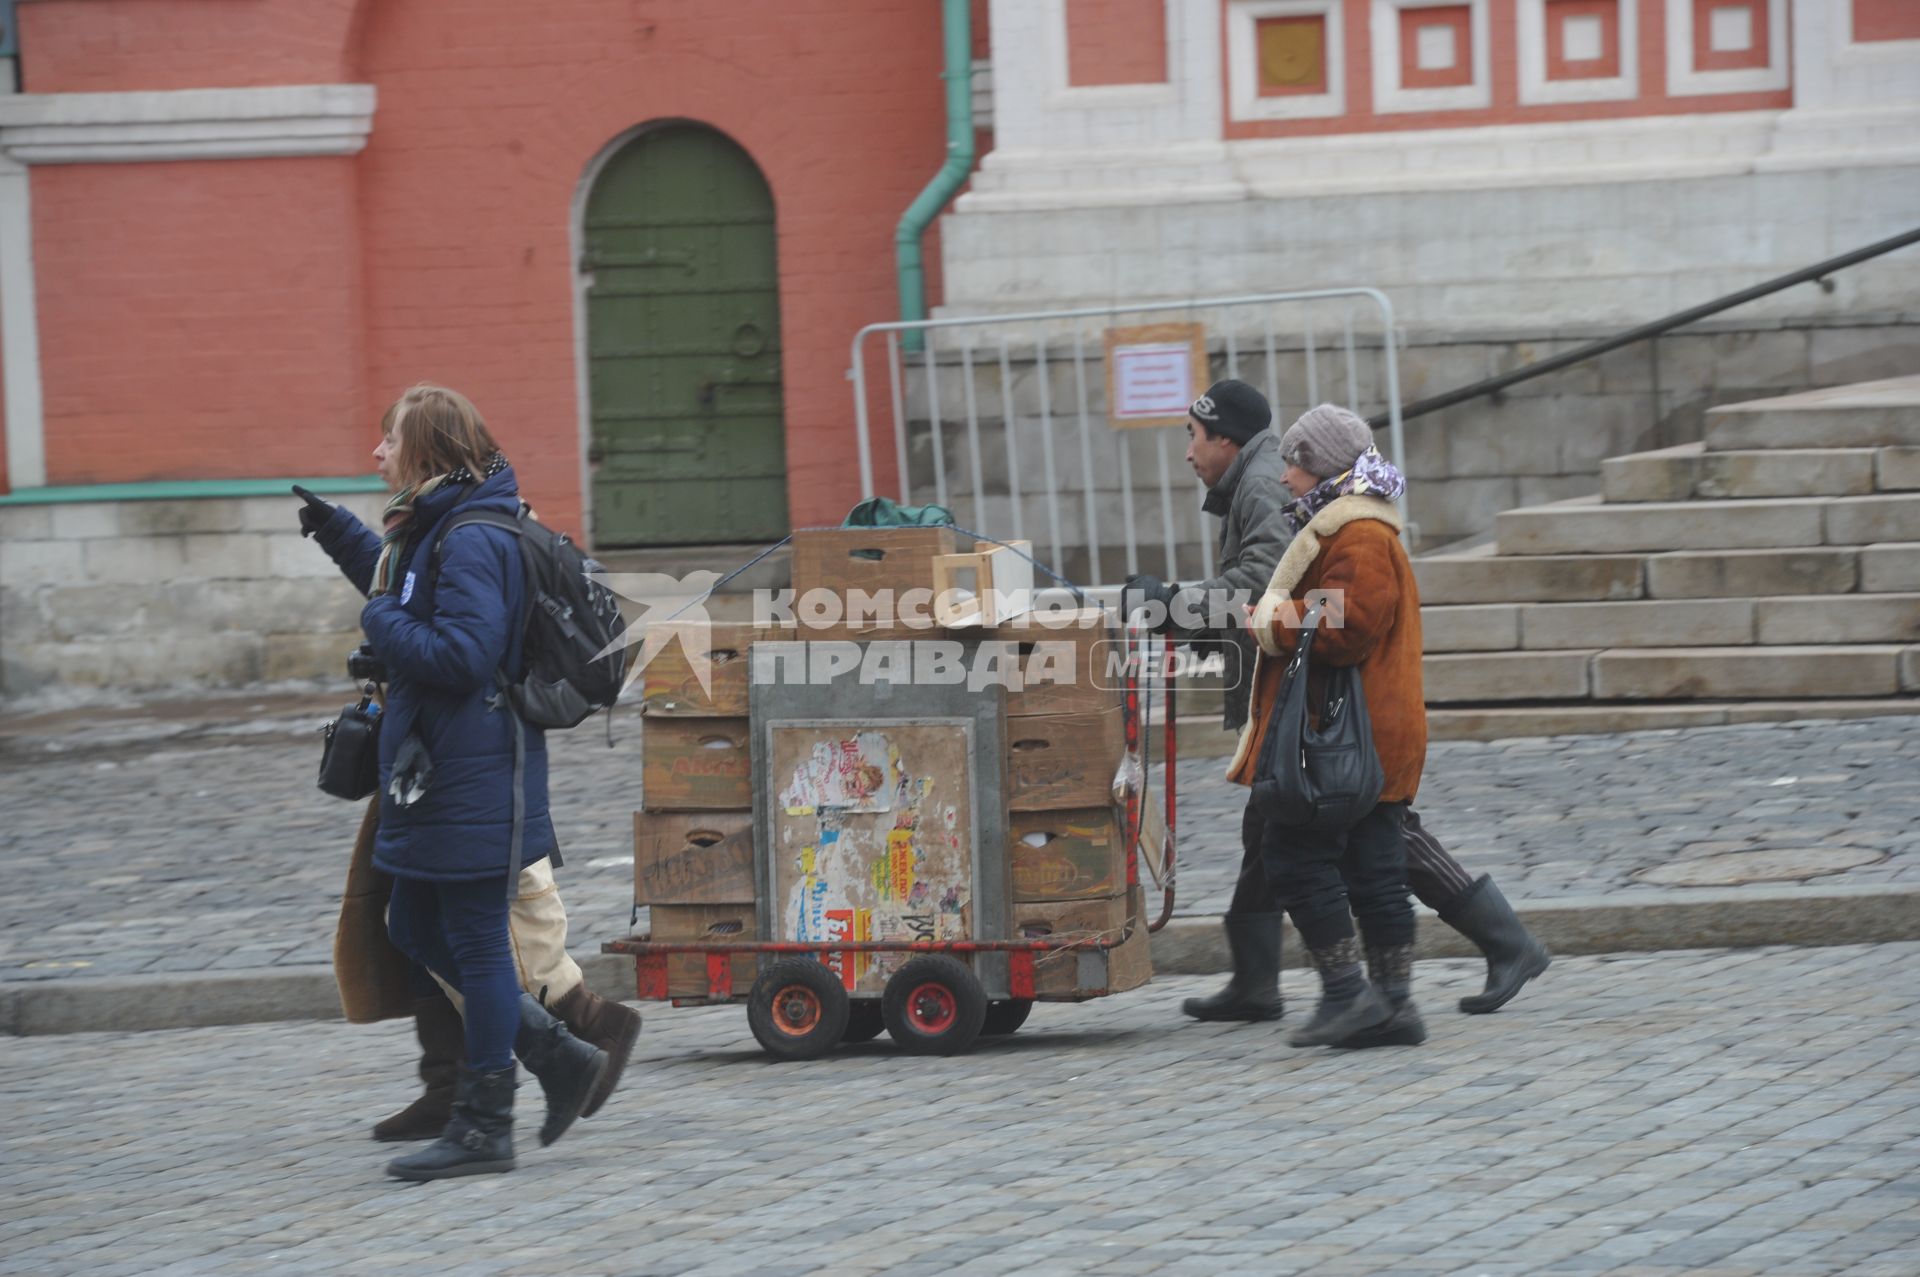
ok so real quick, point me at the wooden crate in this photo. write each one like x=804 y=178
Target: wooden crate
x=692 y=858
x=669 y=686
x=1067 y=855
x=681 y=924
x=1057 y=762
x=1072 y=974
x=695 y=764
x=988 y=587
x=874 y=562
x=1063 y=663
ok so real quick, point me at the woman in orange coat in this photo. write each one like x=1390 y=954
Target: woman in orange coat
x=1347 y=542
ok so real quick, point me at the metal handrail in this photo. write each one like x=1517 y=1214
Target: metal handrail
x=1493 y=385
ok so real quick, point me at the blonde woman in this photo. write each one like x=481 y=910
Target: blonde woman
x=444 y=614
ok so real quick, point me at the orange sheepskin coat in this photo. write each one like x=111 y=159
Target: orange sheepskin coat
x=1353 y=545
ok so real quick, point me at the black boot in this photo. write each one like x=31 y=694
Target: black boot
x=612 y=1027
x=567 y=1067
x=1254 y=991
x=1482 y=915
x=443 y=1046
x=1348 y=1004
x=1390 y=970
x=479 y=1137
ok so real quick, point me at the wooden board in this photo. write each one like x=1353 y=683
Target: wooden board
x=695 y=764
x=1073 y=974
x=1067 y=855
x=1056 y=762
x=1064 y=660
x=692 y=858
x=873 y=838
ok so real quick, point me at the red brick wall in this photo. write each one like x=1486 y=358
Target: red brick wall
x=314 y=290
x=1884 y=19
x=1116 y=42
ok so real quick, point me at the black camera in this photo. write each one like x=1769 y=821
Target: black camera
x=364 y=667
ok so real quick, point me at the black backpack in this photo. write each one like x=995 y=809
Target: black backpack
x=571 y=620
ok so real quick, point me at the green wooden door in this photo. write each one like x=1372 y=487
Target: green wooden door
x=683 y=324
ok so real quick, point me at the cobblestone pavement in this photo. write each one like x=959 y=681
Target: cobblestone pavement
x=1707 y=1113
x=204 y=851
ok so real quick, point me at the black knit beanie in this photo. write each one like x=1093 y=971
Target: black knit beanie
x=1233 y=409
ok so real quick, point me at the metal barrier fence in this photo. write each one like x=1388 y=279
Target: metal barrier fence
x=1248 y=337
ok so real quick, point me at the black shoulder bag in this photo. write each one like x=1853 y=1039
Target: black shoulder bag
x=350 y=757
x=1321 y=779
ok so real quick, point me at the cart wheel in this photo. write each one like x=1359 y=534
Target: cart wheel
x=797 y=1010
x=864 y=1021
x=934 y=1006
x=1004 y=1017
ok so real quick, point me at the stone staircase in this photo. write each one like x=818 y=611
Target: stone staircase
x=1770 y=571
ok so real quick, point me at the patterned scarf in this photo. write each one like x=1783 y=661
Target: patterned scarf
x=399 y=515
x=1372 y=476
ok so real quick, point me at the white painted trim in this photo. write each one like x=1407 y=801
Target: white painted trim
x=1684 y=81
x=1243 y=62
x=1537 y=90
x=1388 y=95
x=20 y=333
x=186 y=124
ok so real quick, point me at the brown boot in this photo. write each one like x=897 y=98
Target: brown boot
x=443 y=1049
x=612 y=1027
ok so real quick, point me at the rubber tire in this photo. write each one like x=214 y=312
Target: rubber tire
x=1005 y=1017
x=864 y=1021
x=968 y=1004
x=817 y=979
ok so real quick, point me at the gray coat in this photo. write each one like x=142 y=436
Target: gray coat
x=1248 y=499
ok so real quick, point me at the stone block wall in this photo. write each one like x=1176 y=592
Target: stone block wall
x=1540 y=441
x=128 y=596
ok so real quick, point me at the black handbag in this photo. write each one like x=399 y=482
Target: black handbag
x=1322 y=779
x=350 y=756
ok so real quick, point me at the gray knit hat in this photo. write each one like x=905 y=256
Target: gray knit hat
x=1325 y=441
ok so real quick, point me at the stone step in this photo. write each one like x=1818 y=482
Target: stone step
x=1490 y=677
x=1771 y=673
x=1721 y=622
x=1688 y=471
x=1585 y=526
x=1872 y=414
x=1890 y=568
x=1719 y=574
x=1480 y=576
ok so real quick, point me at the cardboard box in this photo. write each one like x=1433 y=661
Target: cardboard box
x=1064 y=664
x=692 y=858
x=882 y=578
x=680 y=924
x=670 y=685
x=695 y=764
x=1057 y=762
x=1067 y=855
x=1087 y=972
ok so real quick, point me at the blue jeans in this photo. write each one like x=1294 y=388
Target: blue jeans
x=458 y=930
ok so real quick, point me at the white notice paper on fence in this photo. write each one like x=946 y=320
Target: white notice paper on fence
x=1152 y=381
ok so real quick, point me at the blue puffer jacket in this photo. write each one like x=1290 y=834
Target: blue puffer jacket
x=442 y=640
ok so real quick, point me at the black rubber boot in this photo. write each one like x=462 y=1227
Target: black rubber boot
x=567 y=1067
x=1390 y=970
x=479 y=1138
x=1339 y=1017
x=1482 y=915
x=443 y=1046
x=1254 y=991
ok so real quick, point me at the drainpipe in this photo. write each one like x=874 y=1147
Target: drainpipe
x=956 y=22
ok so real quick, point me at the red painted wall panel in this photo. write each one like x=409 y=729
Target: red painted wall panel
x=1116 y=42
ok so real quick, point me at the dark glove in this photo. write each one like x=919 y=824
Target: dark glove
x=1155 y=595
x=314 y=512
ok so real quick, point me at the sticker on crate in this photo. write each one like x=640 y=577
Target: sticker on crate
x=873 y=840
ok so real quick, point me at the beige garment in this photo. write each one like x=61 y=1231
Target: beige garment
x=537 y=929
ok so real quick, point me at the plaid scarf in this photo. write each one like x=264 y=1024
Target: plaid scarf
x=1372 y=476
x=398 y=516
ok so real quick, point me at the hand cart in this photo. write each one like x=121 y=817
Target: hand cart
x=805 y=999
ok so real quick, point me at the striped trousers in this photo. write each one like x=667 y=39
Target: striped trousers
x=1436 y=878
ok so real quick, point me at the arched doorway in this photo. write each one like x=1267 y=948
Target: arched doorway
x=683 y=343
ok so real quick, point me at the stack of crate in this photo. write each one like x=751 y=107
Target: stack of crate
x=693 y=837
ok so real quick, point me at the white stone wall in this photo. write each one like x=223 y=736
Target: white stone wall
x=125 y=596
